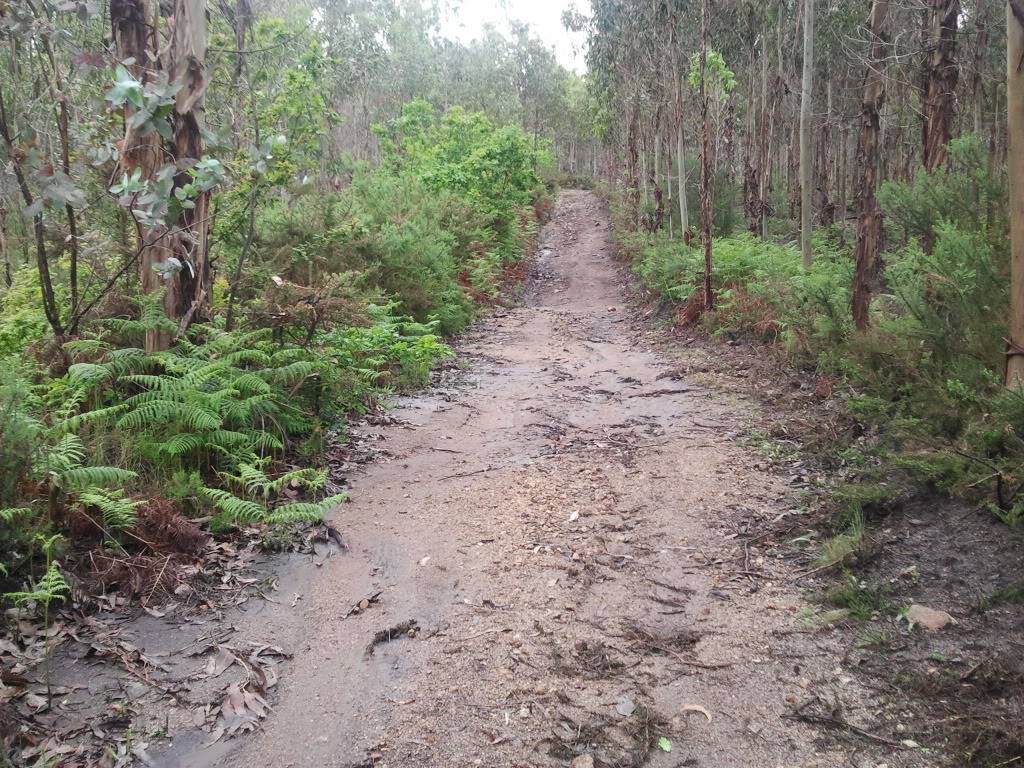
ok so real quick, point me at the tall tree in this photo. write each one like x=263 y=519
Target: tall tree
x=941 y=75
x=869 y=215
x=806 y=150
x=173 y=254
x=1015 y=169
x=188 y=293
x=706 y=179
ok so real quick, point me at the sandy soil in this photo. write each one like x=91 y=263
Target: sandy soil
x=576 y=534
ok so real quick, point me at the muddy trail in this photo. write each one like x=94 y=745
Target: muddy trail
x=557 y=560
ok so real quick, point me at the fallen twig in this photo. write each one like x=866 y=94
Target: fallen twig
x=835 y=722
x=403 y=629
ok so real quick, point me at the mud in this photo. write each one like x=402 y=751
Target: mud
x=570 y=540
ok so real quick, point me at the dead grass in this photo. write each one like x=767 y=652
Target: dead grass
x=982 y=709
x=654 y=642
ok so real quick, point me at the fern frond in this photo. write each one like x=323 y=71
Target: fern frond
x=66 y=453
x=293 y=372
x=151 y=381
x=88 y=374
x=294 y=513
x=86 y=346
x=81 y=478
x=180 y=444
x=128 y=360
x=118 y=512
x=250 y=384
x=235 y=508
x=52 y=586
x=309 y=478
x=74 y=423
x=265 y=442
x=163 y=411
x=250 y=356
x=11 y=514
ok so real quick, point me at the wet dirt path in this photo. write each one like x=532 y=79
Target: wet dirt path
x=568 y=534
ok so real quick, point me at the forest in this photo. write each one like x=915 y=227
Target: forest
x=256 y=254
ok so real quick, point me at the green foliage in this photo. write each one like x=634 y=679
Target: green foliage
x=51 y=586
x=928 y=373
x=259 y=501
x=719 y=76
x=862 y=600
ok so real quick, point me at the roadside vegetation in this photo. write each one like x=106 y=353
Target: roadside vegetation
x=926 y=377
x=191 y=313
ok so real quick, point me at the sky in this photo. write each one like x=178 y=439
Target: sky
x=543 y=16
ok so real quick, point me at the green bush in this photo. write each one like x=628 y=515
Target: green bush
x=928 y=372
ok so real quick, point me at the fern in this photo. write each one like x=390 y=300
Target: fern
x=66 y=453
x=11 y=514
x=304 y=511
x=292 y=373
x=234 y=508
x=81 y=478
x=86 y=346
x=118 y=512
x=88 y=374
x=75 y=423
x=159 y=411
x=52 y=586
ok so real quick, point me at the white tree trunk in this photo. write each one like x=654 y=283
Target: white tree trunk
x=806 y=158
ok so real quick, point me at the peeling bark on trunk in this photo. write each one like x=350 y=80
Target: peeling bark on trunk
x=185 y=290
x=941 y=75
x=189 y=293
x=134 y=24
x=978 y=79
x=825 y=163
x=869 y=221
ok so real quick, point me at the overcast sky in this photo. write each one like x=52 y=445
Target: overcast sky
x=543 y=16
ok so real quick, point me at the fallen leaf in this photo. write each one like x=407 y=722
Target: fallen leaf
x=220 y=662
x=697 y=708
x=625 y=706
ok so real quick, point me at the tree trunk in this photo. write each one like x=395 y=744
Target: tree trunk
x=841 y=174
x=978 y=80
x=684 y=214
x=825 y=164
x=706 y=179
x=1015 y=170
x=806 y=160
x=49 y=299
x=5 y=251
x=869 y=221
x=941 y=75
x=189 y=293
x=134 y=24
x=632 y=169
x=172 y=261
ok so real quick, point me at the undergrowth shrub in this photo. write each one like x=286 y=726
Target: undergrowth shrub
x=339 y=293
x=927 y=374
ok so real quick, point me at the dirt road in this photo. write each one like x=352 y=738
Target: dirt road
x=567 y=530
